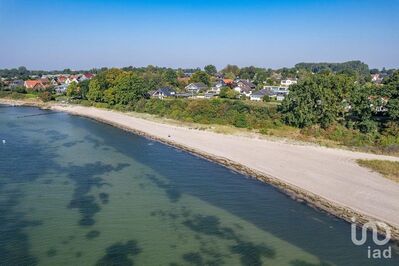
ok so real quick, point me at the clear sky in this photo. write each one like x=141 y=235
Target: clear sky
x=73 y=34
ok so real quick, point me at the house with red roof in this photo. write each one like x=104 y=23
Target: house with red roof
x=88 y=75
x=33 y=84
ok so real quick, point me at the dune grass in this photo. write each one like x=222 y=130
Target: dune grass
x=388 y=169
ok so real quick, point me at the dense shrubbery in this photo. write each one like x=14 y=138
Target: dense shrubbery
x=215 y=111
x=337 y=107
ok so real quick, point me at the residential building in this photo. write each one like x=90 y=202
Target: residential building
x=245 y=84
x=196 y=87
x=278 y=92
x=243 y=90
x=163 y=93
x=61 y=79
x=377 y=78
x=61 y=89
x=288 y=82
x=33 y=84
x=216 y=87
x=16 y=83
x=258 y=96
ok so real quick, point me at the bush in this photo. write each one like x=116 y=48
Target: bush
x=45 y=96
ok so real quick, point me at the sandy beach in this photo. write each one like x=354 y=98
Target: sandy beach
x=326 y=178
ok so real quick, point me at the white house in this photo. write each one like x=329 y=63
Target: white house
x=288 y=82
x=60 y=89
x=163 y=93
x=258 y=96
x=196 y=87
x=279 y=92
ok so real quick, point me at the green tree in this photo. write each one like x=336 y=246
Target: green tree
x=391 y=91
x=210 y=70
x=317 y=100
x=170 y=77
x=233 y=69
x=361 y=109
x=228 y=93
x=45 y=96
x=73 y=90
x=95 y=93
x=200 y=76
x=129 y=88
x=84 y=88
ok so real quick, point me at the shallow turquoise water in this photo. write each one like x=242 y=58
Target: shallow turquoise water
x=77 y=192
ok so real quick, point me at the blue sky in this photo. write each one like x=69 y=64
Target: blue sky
x=86 y=34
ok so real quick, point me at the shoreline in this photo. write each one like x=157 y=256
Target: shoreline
x=298 y=193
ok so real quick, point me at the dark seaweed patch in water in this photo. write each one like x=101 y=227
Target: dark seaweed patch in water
x=72 y=143
x=164 y=214
x=171 y=191
x=78 y=254
x=85 y=178
x=48 y=181
x=304 y=263
x=54 y=135
x=14 y=242
x=209 y=225
x=118 y=254
x=92 y=234
x=104 y=197
x=252 y=254
x=96 y=142
x=194 y=258
x=51 y=252
x=87 y=208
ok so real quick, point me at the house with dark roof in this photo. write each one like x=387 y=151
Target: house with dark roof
x=196 y=87
x=258 y=96
x=244 y=87
x=16 y=83
x=163 y=93
x=278 y=92
x=245 y=83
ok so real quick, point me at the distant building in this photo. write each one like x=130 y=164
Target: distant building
x=163 y=93
x=88 y=75
x=196 y=87
x=16 y=83
x=377 y=78
x=245 y=84
x=243 y=90
x=228 y=82
x=33 y=84
x=244 y=87
x=216 y=87
x=259 y=95
x=61 y=79
x=61 y=89
x=288 y=82
x=277 y=92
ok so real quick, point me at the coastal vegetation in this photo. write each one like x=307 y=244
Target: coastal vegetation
x=389 y=169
